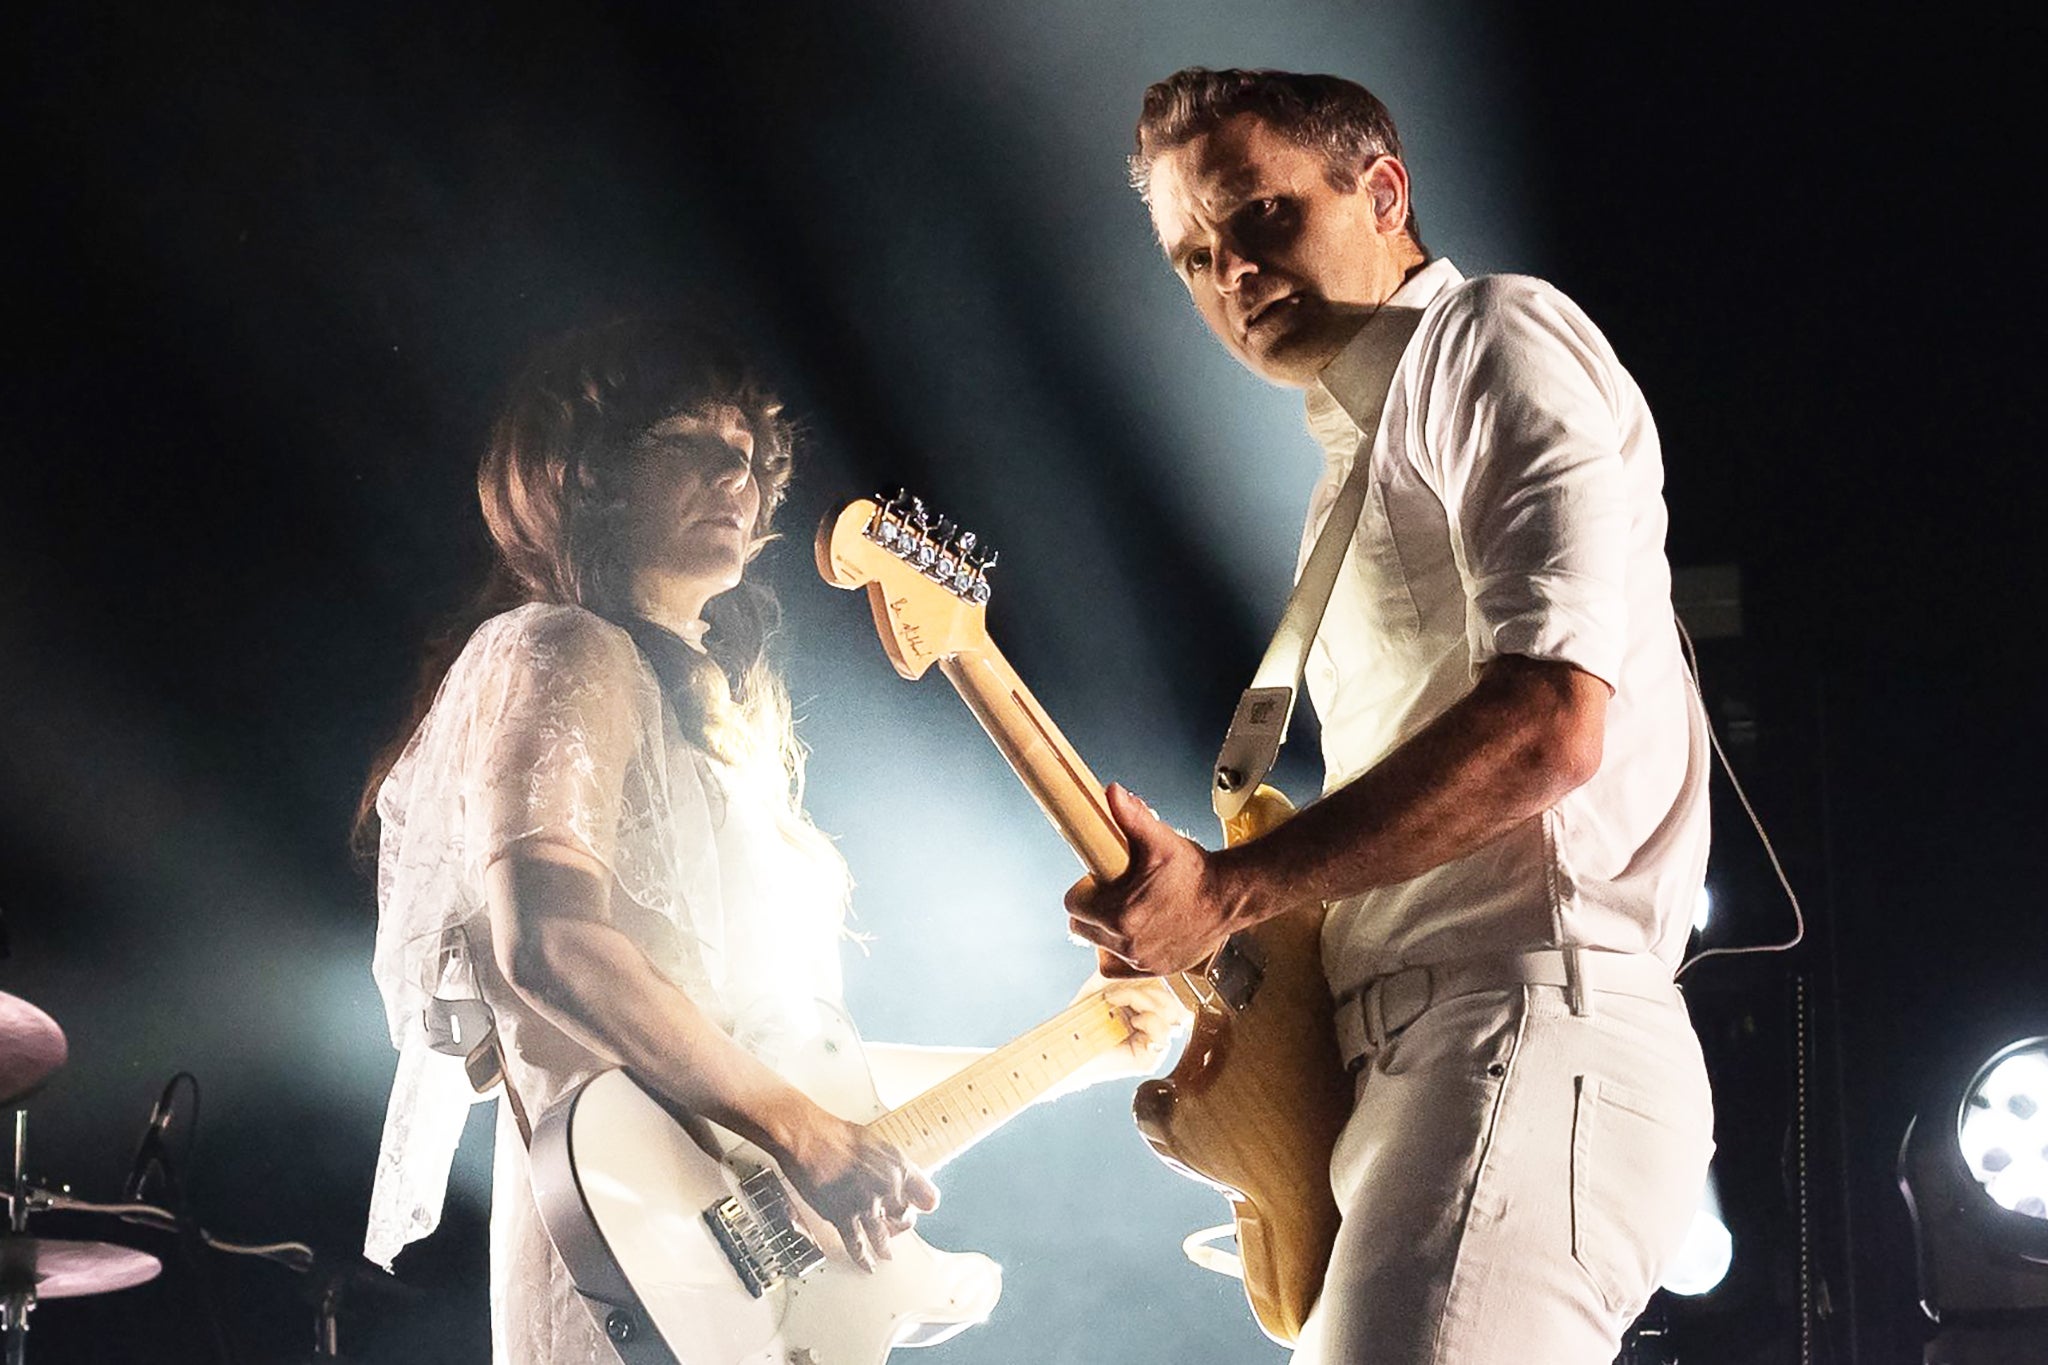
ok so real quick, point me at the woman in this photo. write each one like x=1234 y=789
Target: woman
x=596 y=824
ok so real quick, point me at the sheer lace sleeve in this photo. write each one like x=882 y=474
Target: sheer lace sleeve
x=564 y=703
x=548 y=726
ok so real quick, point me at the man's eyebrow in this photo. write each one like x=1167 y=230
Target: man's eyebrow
x=1240 y=184
x=1177 y=246
x=690 y=438
x=1235 y=189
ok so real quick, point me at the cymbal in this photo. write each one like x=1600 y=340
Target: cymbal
x=57 y=1269
x=31 y=1047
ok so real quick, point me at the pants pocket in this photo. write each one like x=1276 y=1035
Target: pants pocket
x=1637 y=1175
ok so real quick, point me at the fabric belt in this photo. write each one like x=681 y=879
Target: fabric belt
x=1373 y=1014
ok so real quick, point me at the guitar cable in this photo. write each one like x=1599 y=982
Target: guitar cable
x=1692 y=659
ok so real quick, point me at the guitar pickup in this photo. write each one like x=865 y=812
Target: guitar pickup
x=1236 y=972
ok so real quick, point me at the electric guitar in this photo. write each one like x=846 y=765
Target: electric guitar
x=1257 y=1099
x=690 y=1249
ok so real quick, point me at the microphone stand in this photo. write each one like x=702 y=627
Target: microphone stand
x=153 y=1158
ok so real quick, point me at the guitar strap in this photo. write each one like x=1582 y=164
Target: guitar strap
x=1358 y=379
x=673 y=660
x=466 y=1027
x=1362 y=374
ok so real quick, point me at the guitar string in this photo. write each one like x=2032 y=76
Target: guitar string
x=935 y=1114
x=1090 y=1028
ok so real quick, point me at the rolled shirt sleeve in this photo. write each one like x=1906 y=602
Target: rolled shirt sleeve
x=1523 y=444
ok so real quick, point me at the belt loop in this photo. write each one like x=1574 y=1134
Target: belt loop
x=1374 y=1002
x=1575 y=983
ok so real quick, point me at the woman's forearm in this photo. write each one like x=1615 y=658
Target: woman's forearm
x=557 y=950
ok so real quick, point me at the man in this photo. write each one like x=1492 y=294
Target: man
x=1513 y=830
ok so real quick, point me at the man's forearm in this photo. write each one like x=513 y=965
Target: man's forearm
x=1527 y=734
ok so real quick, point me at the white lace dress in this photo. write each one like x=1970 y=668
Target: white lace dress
x=551 y=726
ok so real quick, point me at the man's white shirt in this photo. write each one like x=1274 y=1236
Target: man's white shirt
x=1515 y=507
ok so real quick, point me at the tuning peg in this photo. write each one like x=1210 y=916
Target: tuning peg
x=977 y=589
x=936 y=546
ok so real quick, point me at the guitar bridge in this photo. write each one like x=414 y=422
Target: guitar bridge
x=759 y=1236
x=1236 y=972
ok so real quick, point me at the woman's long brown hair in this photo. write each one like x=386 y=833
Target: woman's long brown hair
x=552 y=486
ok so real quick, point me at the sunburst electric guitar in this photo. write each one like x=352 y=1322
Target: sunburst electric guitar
x=1255 y=1103
x=690 y=1249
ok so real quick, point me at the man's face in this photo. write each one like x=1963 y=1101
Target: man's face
x=1284 y=268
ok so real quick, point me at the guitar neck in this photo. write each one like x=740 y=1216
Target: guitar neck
x=973 y=1102
x=1048 y=766
x=1050 y=770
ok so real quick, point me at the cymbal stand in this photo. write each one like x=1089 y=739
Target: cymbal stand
x=14 y=1314
x=19 y=1299
x=327 y=1316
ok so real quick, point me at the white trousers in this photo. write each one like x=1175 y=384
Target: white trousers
x=1513 y=1180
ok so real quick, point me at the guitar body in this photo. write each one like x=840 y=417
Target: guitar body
x=1256 y=1101
x=632 y=1201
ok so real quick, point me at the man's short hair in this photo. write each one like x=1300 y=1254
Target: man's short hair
x=1340 y=119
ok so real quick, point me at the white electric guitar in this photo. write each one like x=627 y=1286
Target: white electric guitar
x=689 y=1246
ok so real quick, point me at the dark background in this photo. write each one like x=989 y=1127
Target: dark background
x=272 y=267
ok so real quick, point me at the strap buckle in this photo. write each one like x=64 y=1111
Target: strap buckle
x=1256 y=732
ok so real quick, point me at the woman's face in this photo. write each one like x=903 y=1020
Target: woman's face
x=692 y=501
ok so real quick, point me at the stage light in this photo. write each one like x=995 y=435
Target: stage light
x=1974 y=1171
x=1708 y=1250
x=1702 y=909
x=2003 y=1132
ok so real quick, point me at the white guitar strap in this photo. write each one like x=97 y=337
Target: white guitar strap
x=1362 y=372
x=467 y=1027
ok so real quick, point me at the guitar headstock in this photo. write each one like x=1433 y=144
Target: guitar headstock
x=927 y=579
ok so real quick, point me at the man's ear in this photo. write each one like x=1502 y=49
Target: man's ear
x=1386 y=180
